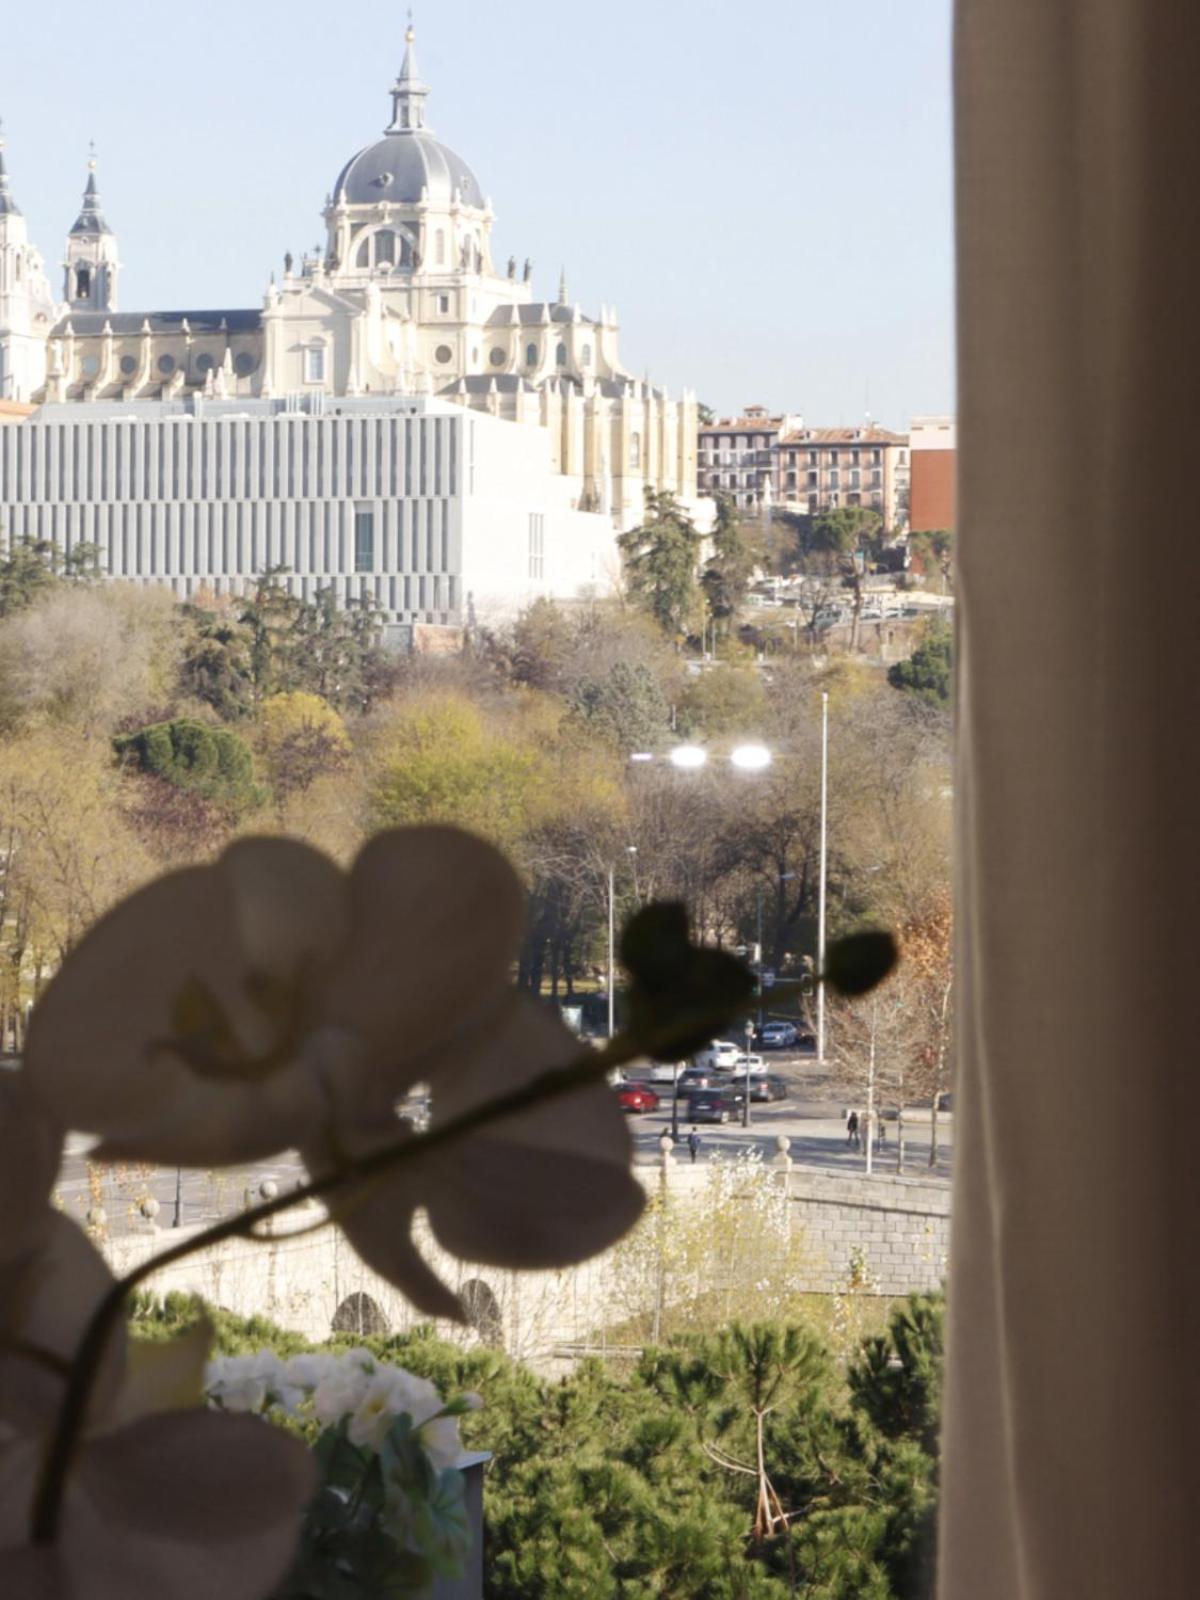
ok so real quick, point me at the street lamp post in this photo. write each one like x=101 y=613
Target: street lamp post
x=612 y=921
x=746 y=1105
x=759 y=963
x=823 y=873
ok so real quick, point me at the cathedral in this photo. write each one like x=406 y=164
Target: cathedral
x=405 y=299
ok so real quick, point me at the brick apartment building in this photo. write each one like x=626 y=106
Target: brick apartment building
x=934 y=442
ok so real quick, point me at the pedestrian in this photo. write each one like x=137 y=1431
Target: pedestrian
x=852 y=1138
x=694 y=1144
x=880 y=1130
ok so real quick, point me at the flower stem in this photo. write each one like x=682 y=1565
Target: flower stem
x=549 y=1085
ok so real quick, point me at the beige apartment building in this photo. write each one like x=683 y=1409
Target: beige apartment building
x=822 y=469
x=738 y=456
x=761 y=458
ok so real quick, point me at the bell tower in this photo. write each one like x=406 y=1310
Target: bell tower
x=91 y=268
x=27 y=311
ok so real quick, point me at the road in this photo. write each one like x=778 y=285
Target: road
x=812 y=1119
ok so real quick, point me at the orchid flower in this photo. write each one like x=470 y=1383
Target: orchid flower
x=272 y=1001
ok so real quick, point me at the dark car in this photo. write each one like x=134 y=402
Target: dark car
x=714 y=1105
x=767 y=1086
x=692 y=1078
x=636 y=1097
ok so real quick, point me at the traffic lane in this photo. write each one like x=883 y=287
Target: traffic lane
x=121 y=1189
x=815 y=1139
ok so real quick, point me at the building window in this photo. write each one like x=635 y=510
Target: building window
x=877 y=457
x=585 y=355
x=364 y=541
x=531 y=355
x=537 y=545
x=385 y=248
x=314 y=364
x=443 y=354
x=855 y=478
x=854 y=499
x=635 y=452
x=560 y=355
x=498 y=357
x=812 y=480
x=791 y=480
x=166 y=365
x=444 y=304
x=877 y=478
x=834 y=478
x=363 y=258
x=83 y=284
x=812 y=458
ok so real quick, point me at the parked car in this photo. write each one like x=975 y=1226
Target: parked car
x=777 y=1036
x=662 y=1071
x=713 y=1105
x=721 y=1053
x=945 y=1101
x=636 y=1097
x=768 y=1086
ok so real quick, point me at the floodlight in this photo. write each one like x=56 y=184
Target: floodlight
x=687 y=757
x=751 y=757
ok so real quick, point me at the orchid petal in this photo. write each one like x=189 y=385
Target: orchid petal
x=435 y=919
x=184 y=1507
x=122 y=988
x=30 y=1152
x=46 y=1303
x=163 y=1375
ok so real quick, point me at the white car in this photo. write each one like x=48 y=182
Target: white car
x=721 y=1054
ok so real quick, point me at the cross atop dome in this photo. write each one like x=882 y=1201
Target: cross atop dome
x=410 y=94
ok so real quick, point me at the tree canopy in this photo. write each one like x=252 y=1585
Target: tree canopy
x=929 y=671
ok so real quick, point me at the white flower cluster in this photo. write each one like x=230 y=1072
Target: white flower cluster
x=329 y=1387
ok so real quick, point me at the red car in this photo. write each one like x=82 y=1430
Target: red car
x=636 y=1097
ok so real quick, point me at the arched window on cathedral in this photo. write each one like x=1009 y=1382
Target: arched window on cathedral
x=385 y=248
x=83 y=284
x=439 y=247
x=635 y=451
x=585 y=356
x=560 y=355
x=363 y=258
x=531 y=355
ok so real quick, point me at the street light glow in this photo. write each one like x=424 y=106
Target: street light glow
x=642 y=755
x=751 y=757
x=687 y=757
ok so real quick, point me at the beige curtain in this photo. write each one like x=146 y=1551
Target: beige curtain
x=1072 y=1438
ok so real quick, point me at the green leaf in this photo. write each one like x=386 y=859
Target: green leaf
x=860 y=962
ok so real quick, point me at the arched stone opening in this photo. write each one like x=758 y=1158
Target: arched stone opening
x=361 y=1315
x=482 y=1310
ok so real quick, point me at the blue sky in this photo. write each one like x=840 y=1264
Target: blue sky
x=762 y=190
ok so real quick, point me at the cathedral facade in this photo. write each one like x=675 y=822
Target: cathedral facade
x=405 y=299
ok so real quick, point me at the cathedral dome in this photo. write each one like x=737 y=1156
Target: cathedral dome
x=408 y=160
x=400 y=167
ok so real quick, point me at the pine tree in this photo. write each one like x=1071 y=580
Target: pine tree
x=661 y=556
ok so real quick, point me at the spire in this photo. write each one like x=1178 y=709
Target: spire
x=8 y=206
x=410 y=94
x=91 y=218
x=562 y=287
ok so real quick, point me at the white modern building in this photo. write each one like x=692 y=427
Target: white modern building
x=439 y=515
x=402 y=321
